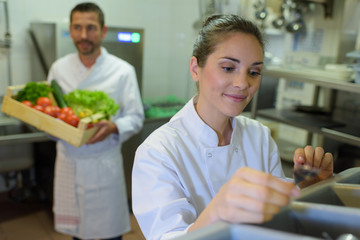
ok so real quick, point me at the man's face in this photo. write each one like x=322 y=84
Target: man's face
x=86 y=32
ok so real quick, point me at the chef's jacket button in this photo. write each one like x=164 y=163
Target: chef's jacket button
x=209 y=155
x=236 y=150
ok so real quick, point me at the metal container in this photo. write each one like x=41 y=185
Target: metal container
x=327 y=210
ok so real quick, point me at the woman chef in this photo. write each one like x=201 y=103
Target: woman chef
x=209 y=164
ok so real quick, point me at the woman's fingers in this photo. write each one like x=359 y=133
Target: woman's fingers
x=327 y=162
x=259 y=179
x=251 y=196
x=258 y=205
x=251 y=211
x=309 y=155
x=265 y=193
x=316 y=158
x=313 y=157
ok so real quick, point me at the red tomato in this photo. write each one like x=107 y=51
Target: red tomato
x=62 y=116
x=90 y=125
x=39 y=108
x=27 y=103
x=67 y=110
x=57 y=110
x=43 y=101
x=49 y=110
x=72 y=119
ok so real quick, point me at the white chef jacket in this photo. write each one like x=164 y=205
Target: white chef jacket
x=179 y=168
x=89 y=189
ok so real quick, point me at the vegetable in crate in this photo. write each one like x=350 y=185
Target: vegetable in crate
x=32 y=91
x=58 y=94
x=86 y=103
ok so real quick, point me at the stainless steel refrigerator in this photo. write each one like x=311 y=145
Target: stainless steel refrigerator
x=52 y=40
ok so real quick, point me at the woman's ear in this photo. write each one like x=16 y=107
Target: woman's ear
x=194 y=69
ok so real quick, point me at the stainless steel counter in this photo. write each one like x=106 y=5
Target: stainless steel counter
x=16 y=139
x=13 y=131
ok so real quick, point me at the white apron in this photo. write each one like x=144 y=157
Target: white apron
x=96 y=205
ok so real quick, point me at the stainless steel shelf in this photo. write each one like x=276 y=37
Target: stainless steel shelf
x=24 y=138
x=341 y=136
x=314 y=123
x=306 y=76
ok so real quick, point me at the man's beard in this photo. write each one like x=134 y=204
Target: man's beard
x=88 y=50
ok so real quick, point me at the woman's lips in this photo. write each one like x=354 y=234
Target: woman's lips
x=235 y=97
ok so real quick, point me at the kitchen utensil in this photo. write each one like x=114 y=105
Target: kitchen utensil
x=279 y=22
x=305 y=172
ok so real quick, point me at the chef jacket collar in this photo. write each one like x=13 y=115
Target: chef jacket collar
x=98 y=60
x=102 y=55
x=199 y=128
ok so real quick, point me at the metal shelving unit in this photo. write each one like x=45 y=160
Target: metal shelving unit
x=312 y=77
x=314 y=123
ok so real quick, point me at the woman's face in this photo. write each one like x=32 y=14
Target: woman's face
x=230 y=76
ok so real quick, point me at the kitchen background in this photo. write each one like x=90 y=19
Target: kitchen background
x=170 y=27
x=170 y=30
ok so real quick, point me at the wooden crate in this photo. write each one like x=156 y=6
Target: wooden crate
x=76 y=136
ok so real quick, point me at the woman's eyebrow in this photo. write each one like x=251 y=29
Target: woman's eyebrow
x=232 y=59
x=238 y=61
x=257 y=63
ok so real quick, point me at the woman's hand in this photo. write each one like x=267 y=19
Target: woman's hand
x=316 y=158
x=250 y=196
x=105 y=129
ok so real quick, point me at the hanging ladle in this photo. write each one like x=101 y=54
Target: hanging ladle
x=280 y=21
x=297 y=25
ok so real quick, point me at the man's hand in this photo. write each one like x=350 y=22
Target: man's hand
x=105 y=129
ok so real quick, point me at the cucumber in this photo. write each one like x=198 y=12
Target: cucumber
x=58 y=94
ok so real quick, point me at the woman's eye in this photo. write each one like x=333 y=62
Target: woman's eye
x=228 y=69
x=254 y=73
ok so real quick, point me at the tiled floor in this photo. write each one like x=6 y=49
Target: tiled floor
x=31 y=220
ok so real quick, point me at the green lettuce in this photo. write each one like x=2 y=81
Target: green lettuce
x=32 y=91
x=86 y=102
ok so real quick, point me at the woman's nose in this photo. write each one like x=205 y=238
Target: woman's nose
x=241 y=81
